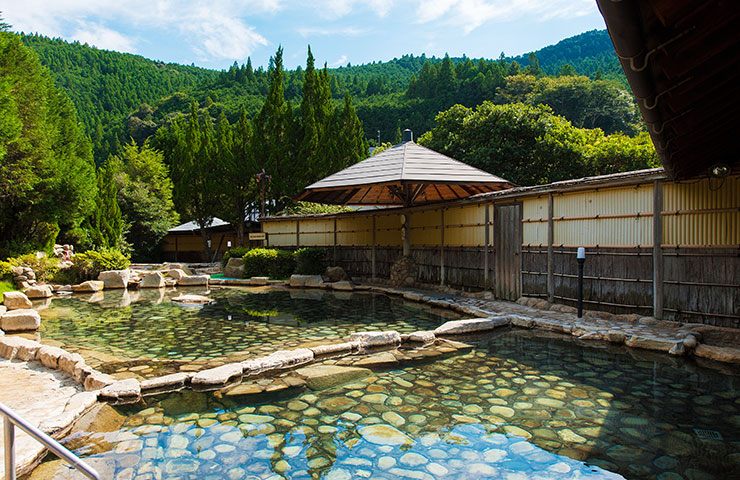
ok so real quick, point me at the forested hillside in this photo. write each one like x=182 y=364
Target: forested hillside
x=120 y=95
x=107 y=86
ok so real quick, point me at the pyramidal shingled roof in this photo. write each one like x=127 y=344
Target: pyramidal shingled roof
x=407 y=162
x=405 y=174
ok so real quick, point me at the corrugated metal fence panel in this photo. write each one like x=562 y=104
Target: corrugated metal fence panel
x=388 y=230
x=534 y=218
x=465 y=226
x=605 y=232
x=426 y=227
x=618 y=217
x=702 y=213
x=280 y=233
x=356 y=230
x=317 y=233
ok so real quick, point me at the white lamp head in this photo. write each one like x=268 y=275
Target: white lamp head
x=228 y=244
x=581 y=253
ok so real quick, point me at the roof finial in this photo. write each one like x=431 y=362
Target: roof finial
x=408 y=135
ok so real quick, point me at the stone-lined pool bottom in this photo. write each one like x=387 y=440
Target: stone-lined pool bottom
x=521 y=405
x=142 y=334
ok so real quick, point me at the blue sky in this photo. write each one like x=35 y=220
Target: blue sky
x=215 y=33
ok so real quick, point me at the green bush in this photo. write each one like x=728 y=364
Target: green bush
x=258 y=262
x=310 y=261
x=6 y=286
x=44 y=267
x=5 y=272
x=284 y=264
x=88 y=265
x=233 y=252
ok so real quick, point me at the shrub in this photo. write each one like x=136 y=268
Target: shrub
x=310 y=261
x=284 y=264
x=88 y=265
x=44 y=267
x=268 y=262
x=233 y=252
x=5 y=272
x=258 y=261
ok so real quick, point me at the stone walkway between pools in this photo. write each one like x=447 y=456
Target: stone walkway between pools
x=48 y=399
x=636 y=331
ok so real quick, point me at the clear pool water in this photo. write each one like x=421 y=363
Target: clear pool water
x=143 y=333
x=519 y=406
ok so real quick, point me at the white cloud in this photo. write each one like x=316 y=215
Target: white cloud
x=471 y=14
x=216 y=29
x=325 y=32
x=340 y=62
x=339 y=8
x=103 y=37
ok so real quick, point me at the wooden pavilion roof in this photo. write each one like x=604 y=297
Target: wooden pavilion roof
x=405 y=174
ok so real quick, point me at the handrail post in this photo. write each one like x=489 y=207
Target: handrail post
x=12 y=420
x=9 y=444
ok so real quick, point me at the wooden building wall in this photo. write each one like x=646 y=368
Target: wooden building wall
x=689 y=254
x=188 y=247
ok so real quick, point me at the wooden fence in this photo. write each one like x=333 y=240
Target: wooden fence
x=683 y=264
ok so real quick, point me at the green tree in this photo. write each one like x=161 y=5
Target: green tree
x=239 y=170
x=312 y=129
x=145 y=198
x=106 y=227
x=275 y=139
x=525 y=144
x=48 y=177
x=528 y=144
x=349 y=145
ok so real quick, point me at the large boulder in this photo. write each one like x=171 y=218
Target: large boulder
x=217 y=376
x=336 y=274
x=115 y=278
x=16 y=300
x=234 y=268
x=193 y=280
x=127 y=388
x=175 y=273
x=89 y=286
x=460 y=327
x=39 y=291
x=20 y=320
x=178 y=266
x=152 y=280
x=377 y=338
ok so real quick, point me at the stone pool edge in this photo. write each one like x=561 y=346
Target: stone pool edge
x=684 y=340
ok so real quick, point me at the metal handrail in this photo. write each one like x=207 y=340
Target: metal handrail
x=11 y=420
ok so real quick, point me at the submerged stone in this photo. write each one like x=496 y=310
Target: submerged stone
x=384 y=435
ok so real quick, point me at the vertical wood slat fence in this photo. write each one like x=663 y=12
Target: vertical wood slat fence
x=683 y=264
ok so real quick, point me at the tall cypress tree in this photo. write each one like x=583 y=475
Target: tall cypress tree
x=349 y=145
x=106 y=226
x=274 y=133
x=309 y=124
x=239 y=180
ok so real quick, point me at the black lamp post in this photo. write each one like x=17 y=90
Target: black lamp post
x=581 y=257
